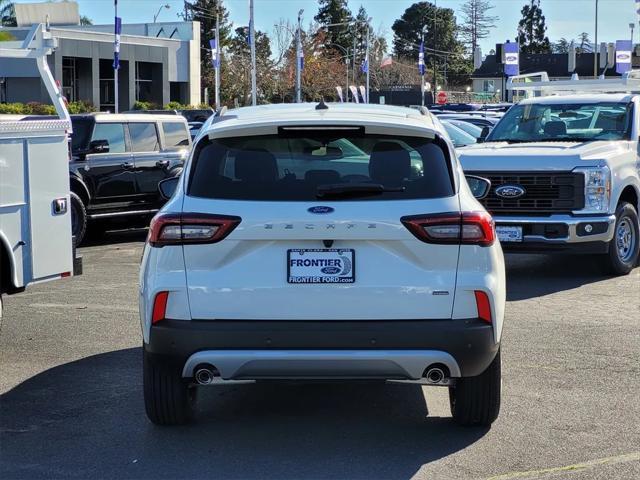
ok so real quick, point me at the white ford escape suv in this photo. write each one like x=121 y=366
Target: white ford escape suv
x=322 y=242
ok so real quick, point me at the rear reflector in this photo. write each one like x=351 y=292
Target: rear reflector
x=466 y=228
x=190 y=228
x=159 y=307
x=484 y=306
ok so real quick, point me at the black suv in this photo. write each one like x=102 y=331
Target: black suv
x=117 y=162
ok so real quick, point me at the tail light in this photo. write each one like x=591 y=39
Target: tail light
x=159 y=307
x=190 y=228
x=484 y=306
x=466 y=228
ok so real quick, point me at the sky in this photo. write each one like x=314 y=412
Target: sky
x=565 y=18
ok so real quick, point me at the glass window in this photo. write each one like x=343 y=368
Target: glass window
x=112 y=133
x=144 y=137
x=459 y=137
x=577 y=122
x=175 y=134
x=328 y=165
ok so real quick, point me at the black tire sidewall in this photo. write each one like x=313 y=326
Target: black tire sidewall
x=78 y=209
x=616 y=265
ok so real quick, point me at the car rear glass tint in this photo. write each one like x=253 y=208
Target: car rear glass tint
x=175 y=135
x=292 y=167
x=81 y=133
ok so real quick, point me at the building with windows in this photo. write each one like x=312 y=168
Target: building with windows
x=159 y=63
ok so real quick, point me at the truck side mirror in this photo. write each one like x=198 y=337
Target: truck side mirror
x=99 y=146
x=484 y=134
x=167 y=187
x=479 y=186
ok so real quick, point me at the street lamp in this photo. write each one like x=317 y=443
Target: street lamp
x=632 y=26
x=299 y=58
x=166 y=5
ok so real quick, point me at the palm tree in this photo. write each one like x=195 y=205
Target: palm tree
x=7 y=14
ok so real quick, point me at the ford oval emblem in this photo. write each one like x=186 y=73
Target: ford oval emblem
x=319 y=210
x=623 y=57
x=510 y=191
x=511 y=58
x=330 y=270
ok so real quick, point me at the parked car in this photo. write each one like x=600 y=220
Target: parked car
x=117 y=163
x=194 y=129
x=459 y=137
x=565 y=177
x=480 y=120
x=335 y=242
x=35 y=224
x=476 y=132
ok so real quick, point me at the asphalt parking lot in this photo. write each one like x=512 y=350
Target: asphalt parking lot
x=71 y=392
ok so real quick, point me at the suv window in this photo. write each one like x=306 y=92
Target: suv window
x=293 y=167
x=175 y=135
x=112 y=133
x=144 y=137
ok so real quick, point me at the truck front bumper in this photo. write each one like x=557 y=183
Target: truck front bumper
x=562 y=233
x=383 y=349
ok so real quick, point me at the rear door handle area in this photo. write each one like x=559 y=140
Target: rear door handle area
x=126 y=166
x=162 y=163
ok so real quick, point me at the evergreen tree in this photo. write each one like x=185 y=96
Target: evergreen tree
x=585 y=44
x=532 y=29
x=331 y=12
x=562 y=45
x=477 y=22
x=442 y=47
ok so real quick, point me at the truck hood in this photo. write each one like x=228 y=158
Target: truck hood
x=560 y=156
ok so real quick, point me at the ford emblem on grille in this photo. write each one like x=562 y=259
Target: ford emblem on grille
x=320 y=210
x=510 y=191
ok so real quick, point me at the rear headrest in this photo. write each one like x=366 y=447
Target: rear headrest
x=322 y=177
x=257 y=165
x=555 y=128
x=390 y=163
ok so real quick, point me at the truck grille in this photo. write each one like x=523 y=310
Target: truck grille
x=545 y=193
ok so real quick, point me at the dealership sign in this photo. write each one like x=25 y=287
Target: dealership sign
x=623 y=56
x=511 y=59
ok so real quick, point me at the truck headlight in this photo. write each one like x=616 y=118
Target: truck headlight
x=597 y=188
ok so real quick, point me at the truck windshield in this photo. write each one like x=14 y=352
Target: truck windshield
x=573 y=122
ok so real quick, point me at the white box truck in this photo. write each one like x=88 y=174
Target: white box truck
x=35 y=219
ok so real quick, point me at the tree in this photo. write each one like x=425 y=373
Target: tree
x=443 y=50
x=532 y=29
x=562 y=45
x=84 y=20
x=477 y=22
x=7 y=14
x=331 y=12
x=585 y=43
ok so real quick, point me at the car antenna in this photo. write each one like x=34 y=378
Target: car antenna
x=322 y=105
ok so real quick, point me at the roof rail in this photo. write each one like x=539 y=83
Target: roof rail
x=628 y=83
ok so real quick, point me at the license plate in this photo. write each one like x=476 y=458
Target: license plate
x=509 y=234
x=321 y=266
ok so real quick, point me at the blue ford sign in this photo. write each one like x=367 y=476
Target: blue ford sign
x=320 y=210
x=510 y=191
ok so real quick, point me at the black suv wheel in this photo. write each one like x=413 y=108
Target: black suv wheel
x=78 y=218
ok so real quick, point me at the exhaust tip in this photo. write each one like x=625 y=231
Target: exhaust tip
x=435 y=375
x=205 y=374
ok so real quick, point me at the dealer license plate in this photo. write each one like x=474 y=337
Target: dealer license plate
x=321 y=266
x=509 y=233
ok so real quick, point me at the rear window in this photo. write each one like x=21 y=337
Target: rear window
x=81 y=133
x=175 y=135
x=295 y=167
x=144 y=137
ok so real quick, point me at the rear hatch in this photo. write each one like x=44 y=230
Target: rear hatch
x=320 y=235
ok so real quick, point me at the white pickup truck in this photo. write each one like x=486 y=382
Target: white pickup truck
x=565 y=170
x=35 y=220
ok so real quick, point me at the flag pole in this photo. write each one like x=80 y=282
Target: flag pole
x=299 y=59
x=252 y=33
x=116 y=56
x=218 y=62
x=367 y=60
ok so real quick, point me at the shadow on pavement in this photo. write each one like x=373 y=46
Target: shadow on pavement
x=113 y=237
x=86 y=419
x=530 y=276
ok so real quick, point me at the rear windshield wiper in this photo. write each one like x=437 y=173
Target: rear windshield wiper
x=354 y=189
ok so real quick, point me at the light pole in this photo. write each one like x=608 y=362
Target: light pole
x=252 y=33
x=155 y=17
x=367 y=55
x=421 y=64
x=299 y=58
x=595 y=47
x=632 y=26
x=218 y=61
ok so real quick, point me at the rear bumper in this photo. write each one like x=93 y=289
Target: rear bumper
x=250 y=349
x=560 y=233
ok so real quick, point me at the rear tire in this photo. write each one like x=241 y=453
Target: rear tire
x=168 y=399
x=78 y=218
x=624 y=249
x=475 y=401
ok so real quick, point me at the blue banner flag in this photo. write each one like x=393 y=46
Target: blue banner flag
x=511 y=59
x=623 y=56
x=421 y=66
x=301 y=59
x=364 y=66
x=215 y=54
x=116 y=44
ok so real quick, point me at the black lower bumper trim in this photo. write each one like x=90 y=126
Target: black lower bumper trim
x=469 y=341
x=580 y=248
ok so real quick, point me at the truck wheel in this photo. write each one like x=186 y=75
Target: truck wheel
x=78 y=218
x=476 y=400
x=624 y=249
x=168 y=399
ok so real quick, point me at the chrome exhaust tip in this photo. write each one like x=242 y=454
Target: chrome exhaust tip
x=205 y=375
x=435 y=375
